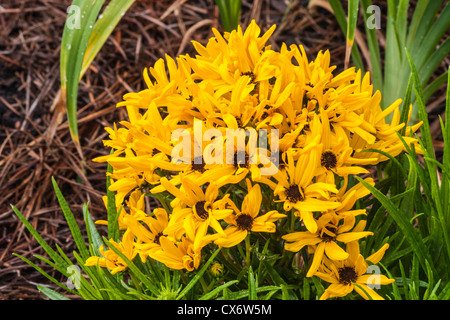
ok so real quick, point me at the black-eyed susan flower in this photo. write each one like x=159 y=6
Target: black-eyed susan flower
x=177 y=254
x=296 y=188
x=347 y=275
x=330 y=230
x=110 y=259
x=247 y=219
x=195 y=209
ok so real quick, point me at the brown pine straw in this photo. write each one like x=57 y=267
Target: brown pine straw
x=35 y=143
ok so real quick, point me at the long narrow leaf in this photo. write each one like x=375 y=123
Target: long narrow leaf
x=134 y=269
x=73 y=47
x=198 y=275
x=39 y=239
x=95 y=240
x=372 y=40
x=216 y=290
x=53 y=295
x=353 y=7
x=73 y=225
x=403 y=223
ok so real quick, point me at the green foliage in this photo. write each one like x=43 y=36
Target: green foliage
x=230 y=13
x=423 y=37
x=84 y=34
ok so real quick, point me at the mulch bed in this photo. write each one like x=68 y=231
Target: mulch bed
x=35 y=145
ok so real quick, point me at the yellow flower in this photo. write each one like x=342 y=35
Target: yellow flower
x=297 y=189
x=135 y=204
x=247 y=219
x=324 y=239
x=216 y=269
x=110 y=259
x=195 y=210
x=149 y=230
x=336 y=155
x=177 y=254
x=350 y=274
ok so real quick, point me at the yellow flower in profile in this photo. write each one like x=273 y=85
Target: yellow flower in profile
x=177 y=254
x=329 y=231
x=350 y=274
x=149 y=230
x=110 y=259
x=247 y=219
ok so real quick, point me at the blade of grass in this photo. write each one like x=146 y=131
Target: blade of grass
x=434 y=86
x=53 y=295
x=73 y=225
x=95 y=241
x=372 y=40
x=392 y=59
x=73 y=47
x=230 y=11
x=402 y=222
x=111 y=208
x=39 y=239
x=45 y=274
x=134 y=269
x=433 y=37
x=341 y=18
x=198 y=275
x=353 y=7
x=216 y=290
x=103 y=28
x=252 y=285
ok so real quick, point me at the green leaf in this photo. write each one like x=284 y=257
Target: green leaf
x=402 y=222
x=45 y=274
x=252 y=285
x=277 y=279
x=341 y=18
x=77 y=31
x=113 y=214
x=134 y=269
x=216 y=290
x=374 y=49
x=73 y=225
x=353 y=7
x=53 y=295
x=230 y=13
x=81 y=41
x=198 y=275
x=95 y=241
x=39 y=239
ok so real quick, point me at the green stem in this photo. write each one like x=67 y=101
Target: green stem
x=135 y=282
x=204 y=285
x=247 y=250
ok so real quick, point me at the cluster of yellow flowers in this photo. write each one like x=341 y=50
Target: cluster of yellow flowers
x=319 y=125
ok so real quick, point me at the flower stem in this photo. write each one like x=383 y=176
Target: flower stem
x=247 y=250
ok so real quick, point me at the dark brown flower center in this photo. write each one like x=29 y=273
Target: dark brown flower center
x=328 y=160
x=328 y=234
x=156 y=239
x=200 y=210
x=294 y=193
x=238 y=163
x=251 y=75
x=198 y=164
x=244 y=221
x=347 y=275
